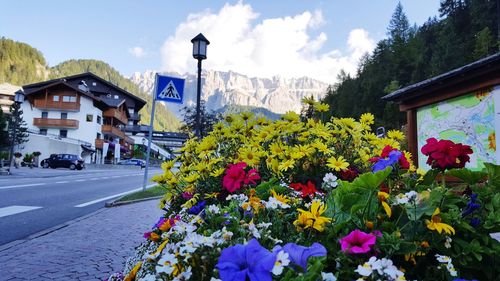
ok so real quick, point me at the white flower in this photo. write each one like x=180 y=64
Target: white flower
x=328 y=276
x=149 y=277
x=402 y=198
x=282 y=260
x=274 y=203
x=166 y=263
x=254 y=230
x=367 y=268
x=447 y=243
x=330 y=181
x=227 y=235
x=185 y=275
x=213 y=209
x=264 y=225
x=412 y=195
x=383 y=267
x=451 y=269
x=214 y=279
x=443 y=259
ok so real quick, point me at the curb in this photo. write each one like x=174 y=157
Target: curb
x=115 y=203
x=48 y=231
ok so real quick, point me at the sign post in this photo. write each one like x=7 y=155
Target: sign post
x=167 y=89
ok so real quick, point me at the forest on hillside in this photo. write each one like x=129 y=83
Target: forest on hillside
x=21 y=64
x=466 y=30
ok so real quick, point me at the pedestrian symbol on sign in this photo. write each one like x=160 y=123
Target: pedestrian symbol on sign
x=170 y=92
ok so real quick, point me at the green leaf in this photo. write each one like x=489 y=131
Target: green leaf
x=430 y=177
x=493 y=174
x=371 y=181
x=468 y=176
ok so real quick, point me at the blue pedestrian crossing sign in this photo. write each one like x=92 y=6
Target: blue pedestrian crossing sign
x=169 y=89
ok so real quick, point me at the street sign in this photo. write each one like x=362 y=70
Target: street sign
x=169 y=89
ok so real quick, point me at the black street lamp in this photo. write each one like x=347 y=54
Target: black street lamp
x=200 y=44
x=19 y=99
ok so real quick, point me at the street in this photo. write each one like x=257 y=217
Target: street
x=37 y=199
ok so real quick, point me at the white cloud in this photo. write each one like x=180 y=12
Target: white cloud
x=273 y=46
x=137 y=52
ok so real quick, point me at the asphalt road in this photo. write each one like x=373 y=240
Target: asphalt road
x=38 y=199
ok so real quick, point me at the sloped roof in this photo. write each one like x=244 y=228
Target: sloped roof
x=475 y=69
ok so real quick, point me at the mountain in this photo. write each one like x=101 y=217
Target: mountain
x=21 y=64
x=221 y=89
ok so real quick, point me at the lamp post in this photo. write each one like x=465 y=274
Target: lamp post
x=18 y=99
x=200 y=44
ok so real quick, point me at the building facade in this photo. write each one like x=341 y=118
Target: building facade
x=81 y=114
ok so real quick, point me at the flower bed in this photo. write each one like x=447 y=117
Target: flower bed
x=307 y=200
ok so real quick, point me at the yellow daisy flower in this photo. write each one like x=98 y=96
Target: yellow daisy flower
x=337 y=164
x=436 y=224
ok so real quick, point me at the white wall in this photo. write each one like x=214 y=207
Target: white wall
x=48 y=145
x=86 y=131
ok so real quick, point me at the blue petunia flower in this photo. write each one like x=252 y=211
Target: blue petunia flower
x=474 y=222
x=300 y=254
x=196 y=209
x=387 y=162
x=251 y=261
x=471 y=206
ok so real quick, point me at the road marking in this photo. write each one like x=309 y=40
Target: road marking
x=62 y=181
x=81 y=180
x=12 y=210
x=114 y=177
x=21 y=185
x=104 y=178
x=112 y=196
x=93 y=179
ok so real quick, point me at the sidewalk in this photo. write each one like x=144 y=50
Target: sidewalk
x=90 y=248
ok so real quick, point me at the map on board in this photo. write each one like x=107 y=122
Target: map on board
x=468 y=119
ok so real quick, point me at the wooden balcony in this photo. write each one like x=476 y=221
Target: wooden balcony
x=117 y=114
x=66 y=106
x=111 y=130
x=55 y=123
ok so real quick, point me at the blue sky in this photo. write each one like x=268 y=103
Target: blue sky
x=257 y=38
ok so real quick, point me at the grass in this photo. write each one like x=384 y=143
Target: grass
x=150 y=192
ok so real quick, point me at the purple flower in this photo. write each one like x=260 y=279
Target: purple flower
x=471 y=206
x=300 y=254
x=196 y=209
x=251 y=261
x=474 y=222
x=383 y=163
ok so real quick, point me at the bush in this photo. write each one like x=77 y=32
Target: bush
x=307 y=200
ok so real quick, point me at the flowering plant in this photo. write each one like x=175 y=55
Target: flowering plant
x=308 y=200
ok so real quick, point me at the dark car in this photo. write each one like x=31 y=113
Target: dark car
x=70 y=161
x=133 y=162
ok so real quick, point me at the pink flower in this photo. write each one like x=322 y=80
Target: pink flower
x=234 y=177
x=357 y=242
x=252 y=177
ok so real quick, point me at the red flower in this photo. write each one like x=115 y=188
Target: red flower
x=306 y=190
x=234 y=177
x=349 y=174
x=445 y=154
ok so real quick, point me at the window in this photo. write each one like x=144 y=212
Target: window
x=98 y=136
x=69 y=99
x=117 y=97
x=99 y=121
x=43 y=132
x=64 y=115
x=131 y=110
x=45 y=114
x=63 y=133
x=55 y=98
x=90 y=117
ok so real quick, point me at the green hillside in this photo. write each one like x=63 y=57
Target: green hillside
x=22 y=64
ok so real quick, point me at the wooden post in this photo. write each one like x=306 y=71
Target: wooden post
x=411 y=116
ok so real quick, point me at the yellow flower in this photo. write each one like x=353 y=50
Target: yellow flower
x=337 y=164
x=246 y=115
x=382 y=197
x=280 y=197
x=133 y=272
x=288 y=164
x=313 y=218
x=367 y=118
x=320 y=146
x=436 y=224
x=321 y=107
x=395 y=134
x=217 y=172
x=290 y=116
x=254 y=203
x=308 y=100
x=191 y=178
x=250 y=155
x=166 y=166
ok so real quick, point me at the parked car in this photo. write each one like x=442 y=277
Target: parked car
x=70 y=161
x=133 y=162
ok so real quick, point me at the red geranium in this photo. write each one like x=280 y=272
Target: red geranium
x=445 y=154
x=305 y=189
x=349 y=174
x=236 y=176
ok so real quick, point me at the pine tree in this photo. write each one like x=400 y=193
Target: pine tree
x=207 y=119
x=17 y=126
x=4 y=136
